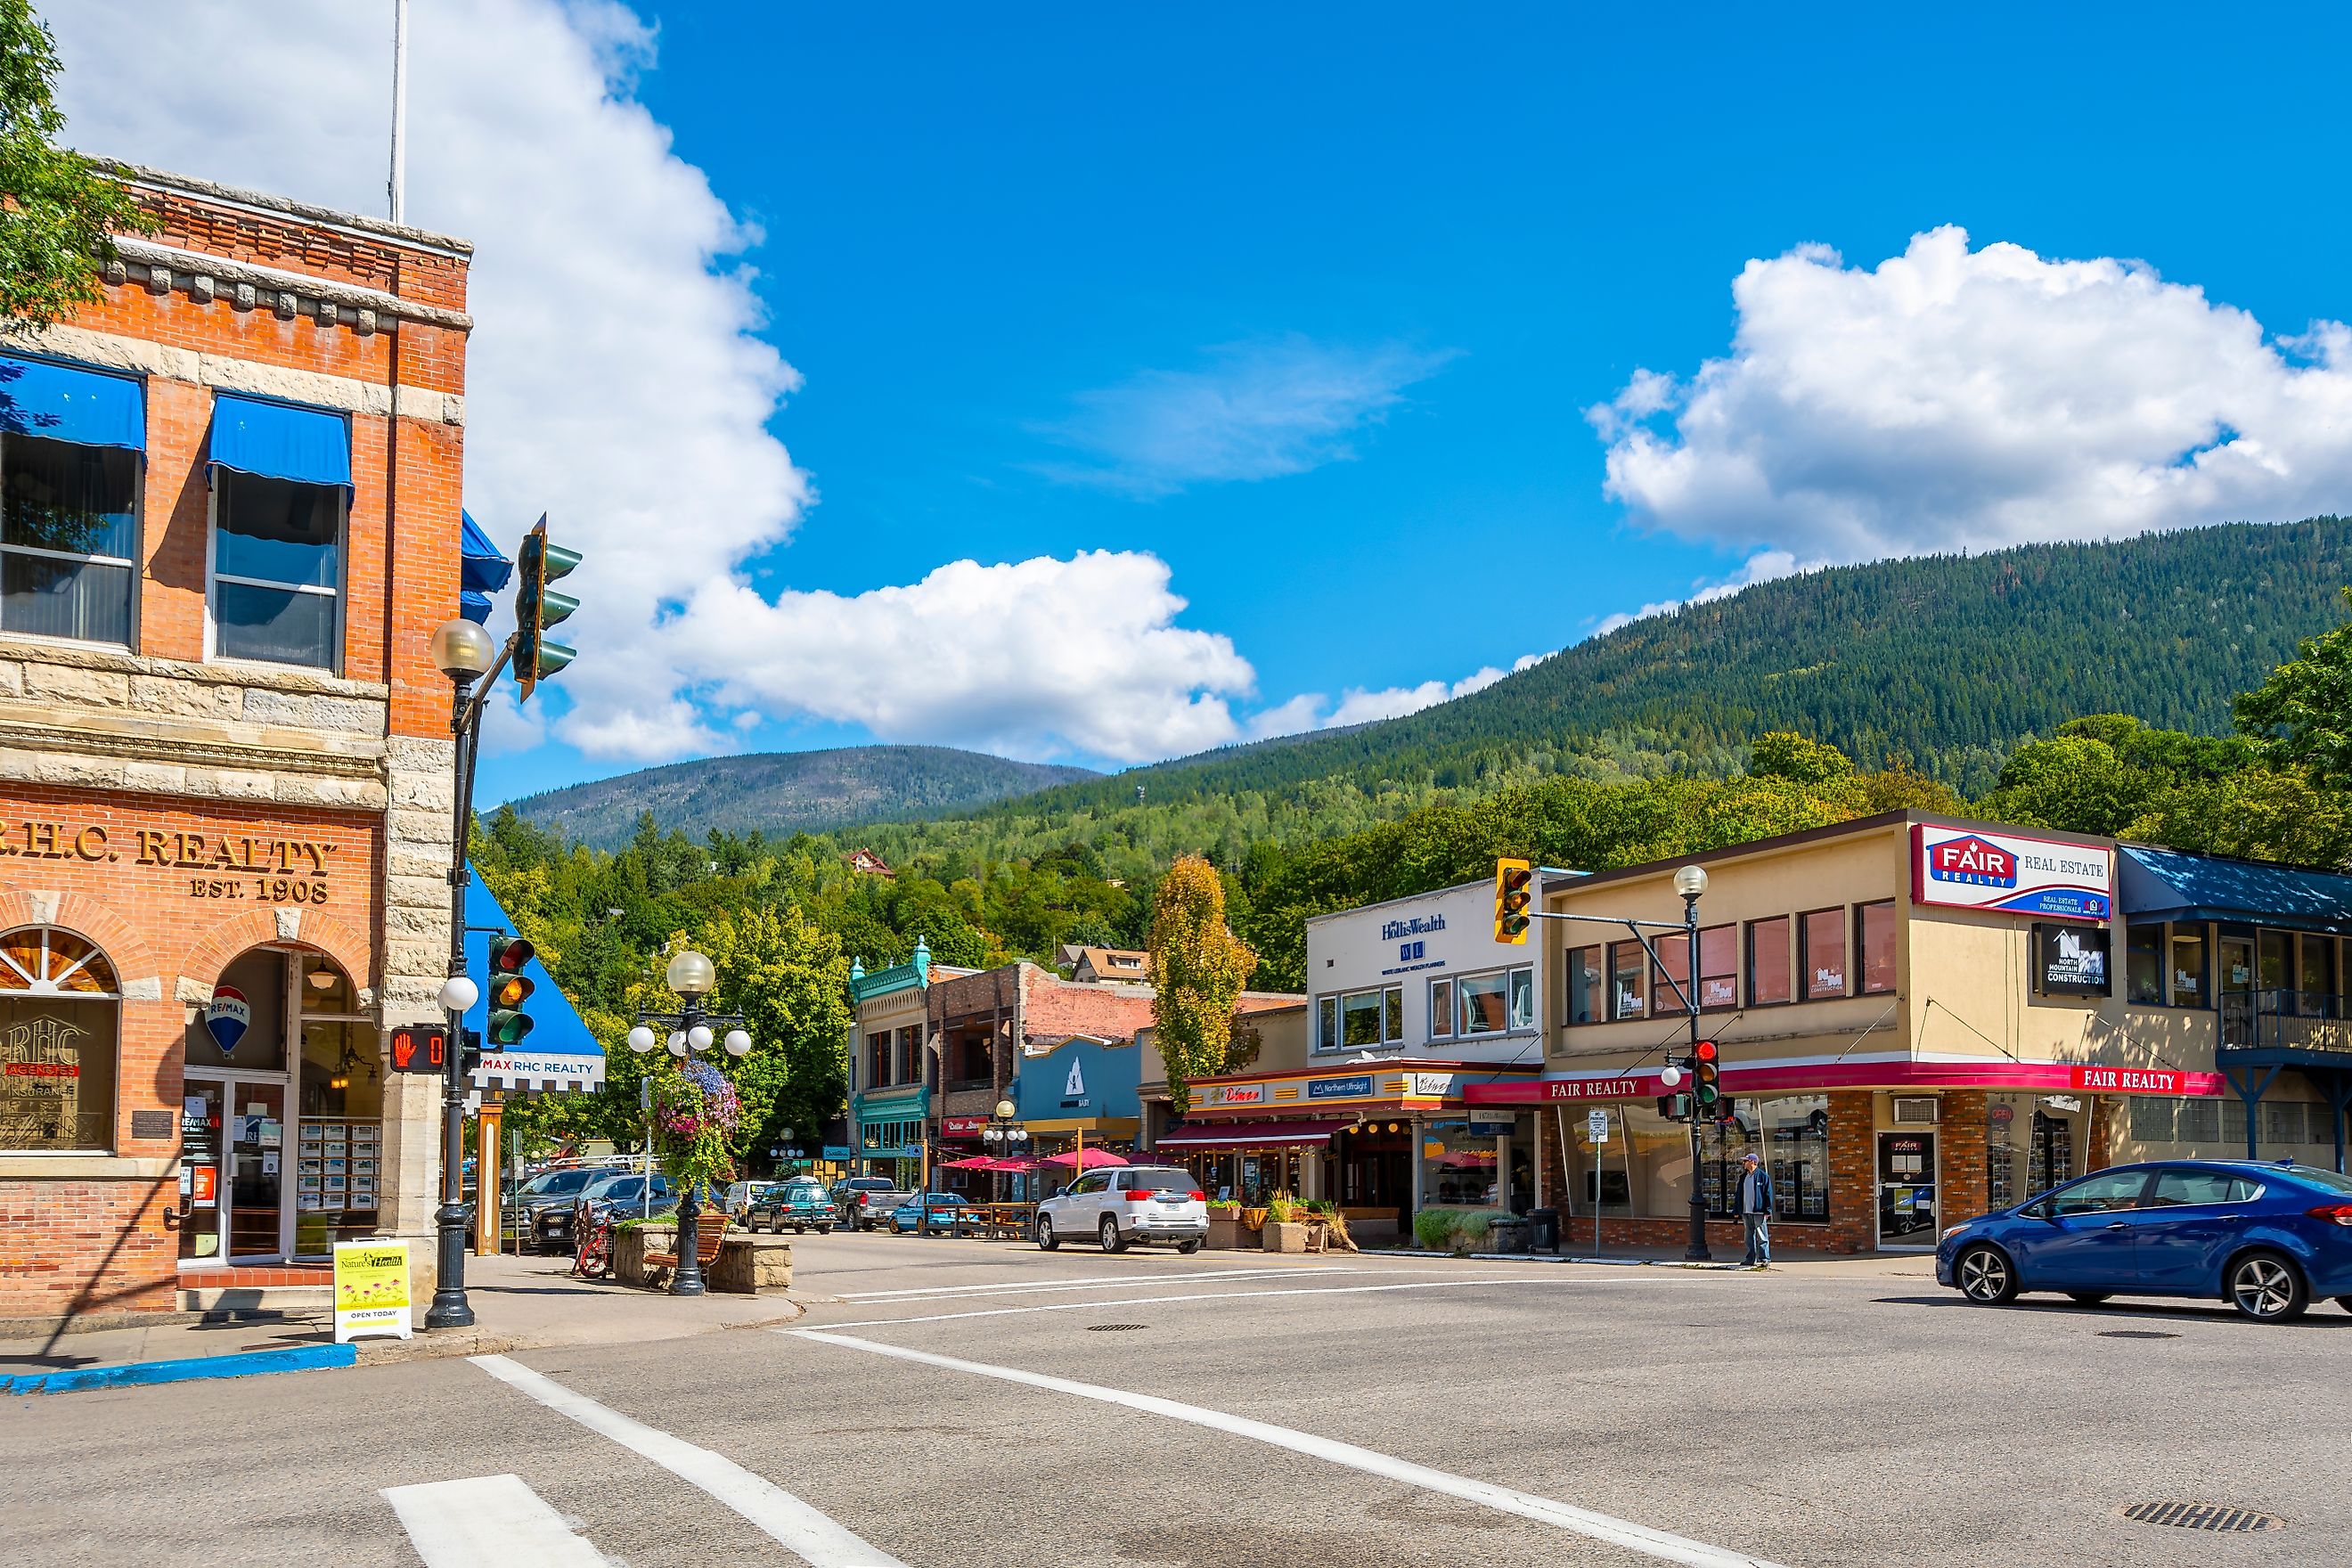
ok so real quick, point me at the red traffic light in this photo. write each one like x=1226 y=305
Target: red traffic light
x=1703 y=1051
x=509 y=953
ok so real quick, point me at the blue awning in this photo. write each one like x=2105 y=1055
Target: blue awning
x=66 y=403
x=559 y=1054
x=280 y=441
x=482 y=570
x=2171 y=885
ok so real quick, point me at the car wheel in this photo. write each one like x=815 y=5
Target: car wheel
x=2268 y=1287
x=2088 y=1297
x=1047 y=1239
x=1188 y=1247
x=1985 y=1276
x=821 y=1230
x=1109 y=1232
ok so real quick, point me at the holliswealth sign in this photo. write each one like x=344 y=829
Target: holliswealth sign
x=1968 y=868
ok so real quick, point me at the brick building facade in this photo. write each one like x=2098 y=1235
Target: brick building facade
x=225 y=753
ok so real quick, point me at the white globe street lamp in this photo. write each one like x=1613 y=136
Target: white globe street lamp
x=739 y=1043
x=459 y=994
x=641 y=1040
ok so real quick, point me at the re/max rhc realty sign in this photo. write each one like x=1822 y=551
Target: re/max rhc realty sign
x=1970 y=868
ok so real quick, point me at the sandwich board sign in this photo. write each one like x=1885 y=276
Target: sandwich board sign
x=371 y=1289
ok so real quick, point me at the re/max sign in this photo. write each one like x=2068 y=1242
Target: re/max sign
x=154 y=846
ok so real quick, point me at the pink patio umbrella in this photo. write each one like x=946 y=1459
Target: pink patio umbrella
x=970 y=1162
x=1086 y=1159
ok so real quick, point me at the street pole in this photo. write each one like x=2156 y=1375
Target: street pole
x=1696 y=1252
x=451 y=1309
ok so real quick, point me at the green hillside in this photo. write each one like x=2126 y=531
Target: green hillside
x=1944 y=662
x=783 y=792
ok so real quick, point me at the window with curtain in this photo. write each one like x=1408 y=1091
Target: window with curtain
x=68 y=539
x=278 y=569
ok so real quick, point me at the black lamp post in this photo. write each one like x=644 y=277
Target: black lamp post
x=692 y=976
x=465 y=653
x=1003 y=1136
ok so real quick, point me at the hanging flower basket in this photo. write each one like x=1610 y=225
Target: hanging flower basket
x=694 y=1117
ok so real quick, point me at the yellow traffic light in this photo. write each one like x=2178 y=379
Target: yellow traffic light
x=1512 y=881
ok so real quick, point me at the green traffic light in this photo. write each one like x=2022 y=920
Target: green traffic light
x=555 y=608
x=556 y=562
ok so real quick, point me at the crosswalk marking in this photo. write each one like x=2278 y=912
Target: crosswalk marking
x=1594 y=1526
x=807 y=1532
x=488 y=1521
x=1458 y=1282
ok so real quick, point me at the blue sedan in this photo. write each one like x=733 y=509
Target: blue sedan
x=936 y=1213
x=2266 y=1237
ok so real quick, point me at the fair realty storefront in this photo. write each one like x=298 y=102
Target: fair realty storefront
x=1920 y=1019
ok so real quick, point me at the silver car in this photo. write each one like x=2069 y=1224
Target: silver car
x=1137 y=1203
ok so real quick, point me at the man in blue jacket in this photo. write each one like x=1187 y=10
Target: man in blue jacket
x=1756 y=1210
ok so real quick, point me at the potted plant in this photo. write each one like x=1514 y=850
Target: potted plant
x=695 y=1114
x=1225 y=1222
x=1284 y=1230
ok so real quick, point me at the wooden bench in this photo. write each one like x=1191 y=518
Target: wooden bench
x=710 y=1231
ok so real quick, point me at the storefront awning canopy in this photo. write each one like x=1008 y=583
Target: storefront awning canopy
x=1252 y=1135
x=66 y=403
x=2166 y=885
x=482 y=570
x=559 y=1054
x=280 y=441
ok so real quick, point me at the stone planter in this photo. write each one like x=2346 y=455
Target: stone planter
x=630 y=1246
x=1280 y=1237
x=749 y=1264
x=1228 y=1234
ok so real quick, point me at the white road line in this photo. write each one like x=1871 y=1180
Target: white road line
x=1092 y=1282
x=488 y=1521
x=1553 y=1281
x=1594 y=1526
x=806 y=1532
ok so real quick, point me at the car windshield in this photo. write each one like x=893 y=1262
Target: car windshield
x=1169 y=1181
x=554 y=1183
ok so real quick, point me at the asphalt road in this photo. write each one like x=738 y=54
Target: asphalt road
x=965 y=1404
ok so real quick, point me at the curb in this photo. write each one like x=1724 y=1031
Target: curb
x=1546 y=1257
x=139 y=1373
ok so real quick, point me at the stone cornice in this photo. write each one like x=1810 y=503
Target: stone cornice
x=79 y=656
x=287 y=207
x=225 y=373
x=286 y=292
x=165 y=741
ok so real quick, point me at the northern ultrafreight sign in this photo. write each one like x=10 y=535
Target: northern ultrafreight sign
x=1970 y=868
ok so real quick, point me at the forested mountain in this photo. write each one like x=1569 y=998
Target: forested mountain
x=782 y=793
x=1941 y=662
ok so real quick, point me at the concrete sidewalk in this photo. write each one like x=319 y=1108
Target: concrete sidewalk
x=1867 y=1265
x=519 y=1304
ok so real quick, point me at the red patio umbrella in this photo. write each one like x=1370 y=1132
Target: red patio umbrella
x=970 y=1162
x=1085 y=1159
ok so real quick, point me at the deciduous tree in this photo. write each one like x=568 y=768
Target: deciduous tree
x=58 y=209
x=1197 y=967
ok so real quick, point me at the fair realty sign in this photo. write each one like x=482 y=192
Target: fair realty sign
x=1971 y=869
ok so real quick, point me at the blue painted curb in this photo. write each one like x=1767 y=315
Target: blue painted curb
x=249 y=1363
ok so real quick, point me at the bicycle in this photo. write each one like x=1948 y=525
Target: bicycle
x=594 y=1260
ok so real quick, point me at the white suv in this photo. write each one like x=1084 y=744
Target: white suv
x=1139 y=1202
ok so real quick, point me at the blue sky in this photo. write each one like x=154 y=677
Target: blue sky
x=1300 y=316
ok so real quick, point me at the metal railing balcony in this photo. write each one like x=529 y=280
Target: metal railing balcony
x=2284 y=1017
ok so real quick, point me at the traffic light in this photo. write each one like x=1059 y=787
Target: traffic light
x=509 y=989
x=1705 y=1072
x=417 y=1049
x=1511 y=879
x=536 y=608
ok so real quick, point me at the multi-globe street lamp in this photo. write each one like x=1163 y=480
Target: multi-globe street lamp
x=1004 y=1137
x=691 y=1032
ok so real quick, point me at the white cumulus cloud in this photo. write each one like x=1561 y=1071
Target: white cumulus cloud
x=1951 y=398
x=1256 y=411
x=1357 y=705
x=1761 y=567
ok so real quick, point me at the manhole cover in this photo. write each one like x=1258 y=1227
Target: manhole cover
x=2202 y=1516
x=2135 y=1334
x=1115 y=1328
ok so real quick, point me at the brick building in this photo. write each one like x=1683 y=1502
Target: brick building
x=229 y=519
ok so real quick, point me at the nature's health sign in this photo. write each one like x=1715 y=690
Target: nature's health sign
x=371 y=1289
x=1970 y=868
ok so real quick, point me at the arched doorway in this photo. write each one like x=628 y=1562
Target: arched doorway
x=281 y=1125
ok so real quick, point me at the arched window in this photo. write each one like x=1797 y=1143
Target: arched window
x=60 y=1030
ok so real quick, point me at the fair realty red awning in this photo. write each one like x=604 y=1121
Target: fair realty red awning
x=1925 y=1073
x=1253 y=1135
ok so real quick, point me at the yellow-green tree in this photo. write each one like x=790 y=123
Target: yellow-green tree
x=1198 y=967
x=59 y=211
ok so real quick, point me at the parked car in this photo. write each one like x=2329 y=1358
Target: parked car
x=864 y=1202
x=2265 y=1236
x=547 y=1190
x=621 y=1192
x=802 y=1203
x=1136 y=1203
x=936 y=1214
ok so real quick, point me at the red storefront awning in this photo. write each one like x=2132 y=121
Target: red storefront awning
x=1253 y=1135
x=1924 y=1073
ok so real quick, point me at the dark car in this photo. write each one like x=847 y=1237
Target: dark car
x=623 y=1193
x=801 y=1203
x=547 y=1190
x=2266 y=1237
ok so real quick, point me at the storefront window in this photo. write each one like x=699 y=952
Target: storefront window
x=2144 y=964
x=1490 y=1003
x=1457 y=1168
x=259 y=977
x=1792 y=1134
x=68 y=539
x=1768 y=962
x=2188 y=964
x=1878 y=940
x=1824 y=961
x=1440 y=1008
x=2318 y=977
x=1719 y=966
x=1371 y=1017
x=1628 y=965
x=59 y=1029
x=1584 y=988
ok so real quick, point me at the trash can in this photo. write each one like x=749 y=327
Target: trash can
x=1543 y=1230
